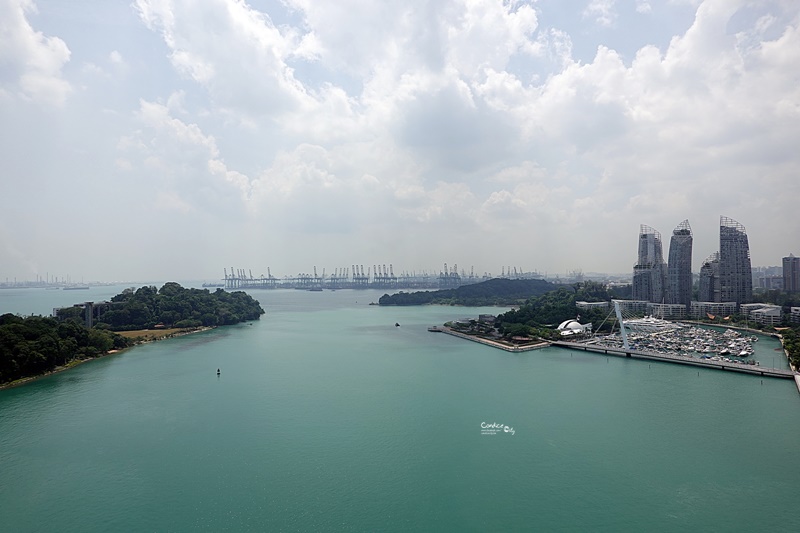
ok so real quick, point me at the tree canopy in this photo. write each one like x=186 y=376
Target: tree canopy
x=550 y=309
x=791 y=342
x=498 y=291
x=35 y=345
x=176 y=306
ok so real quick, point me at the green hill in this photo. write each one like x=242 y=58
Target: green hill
x=491 y=292
x=33 y=345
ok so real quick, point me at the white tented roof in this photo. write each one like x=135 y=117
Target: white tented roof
x=570 y=324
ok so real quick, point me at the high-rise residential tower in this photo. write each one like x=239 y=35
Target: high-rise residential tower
x=791 y=273
x=679 y=269
x=709 y=279
x=649 y=271
x=735 y=273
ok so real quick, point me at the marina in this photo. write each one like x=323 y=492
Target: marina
x=659 y=340
x=729 y=345
x=720 y=364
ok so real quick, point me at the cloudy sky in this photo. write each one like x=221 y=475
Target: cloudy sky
x=167 y=139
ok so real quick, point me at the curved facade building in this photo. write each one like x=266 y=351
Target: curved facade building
x=735 y=272
x=679 y=270
x=709 y=279
x=649 y=271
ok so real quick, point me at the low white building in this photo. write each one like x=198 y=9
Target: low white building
x=635 y=307
x=746 y=310
x=573 y=327
x=771 y=315
x=591 y=305
x=706 y=309
x=667 y=311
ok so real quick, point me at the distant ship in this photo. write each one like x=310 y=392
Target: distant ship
x=76 y=288
x=213 y=284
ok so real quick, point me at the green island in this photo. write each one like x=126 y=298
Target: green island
x=36 y=345
x=498 y=291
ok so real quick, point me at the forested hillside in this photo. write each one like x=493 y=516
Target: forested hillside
x=173 y=306
x=550 y=309
x=34 y=345
x=491 y=292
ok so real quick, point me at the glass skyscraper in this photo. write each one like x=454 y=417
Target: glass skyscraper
x=735 y=272
x=649 y=271
x=709 y=279
x=791 y=273
x=679 y=270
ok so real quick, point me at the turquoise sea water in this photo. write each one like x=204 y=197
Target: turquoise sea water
x=328 y=417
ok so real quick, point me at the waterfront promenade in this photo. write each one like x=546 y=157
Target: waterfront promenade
x=487 y=342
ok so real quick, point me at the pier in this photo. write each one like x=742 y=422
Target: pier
x=679 y=359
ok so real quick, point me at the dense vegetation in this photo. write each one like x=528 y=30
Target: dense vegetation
x=776 y=297
x=34 y=345
x=791 y=341
x=173 y=306
x=491 y=292
x=539 y=316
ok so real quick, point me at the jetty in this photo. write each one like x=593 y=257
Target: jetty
x=680 y=359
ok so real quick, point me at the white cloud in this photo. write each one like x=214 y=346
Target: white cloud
x=451 y=104
x=171 y=201
x=181 y=157
x=232 y=50
x=322 y=127
x=31 y=60
x=602 y=11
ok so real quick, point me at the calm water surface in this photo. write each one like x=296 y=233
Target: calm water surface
x=328 y=417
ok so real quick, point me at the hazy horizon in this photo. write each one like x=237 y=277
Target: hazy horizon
x=161 y=137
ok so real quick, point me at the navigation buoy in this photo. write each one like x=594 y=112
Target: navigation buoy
x=218 y=371
x=397 y=324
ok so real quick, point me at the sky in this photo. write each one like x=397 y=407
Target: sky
x=169 y=139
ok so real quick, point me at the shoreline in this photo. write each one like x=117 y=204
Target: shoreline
x=493 y=344
x=77 y=362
